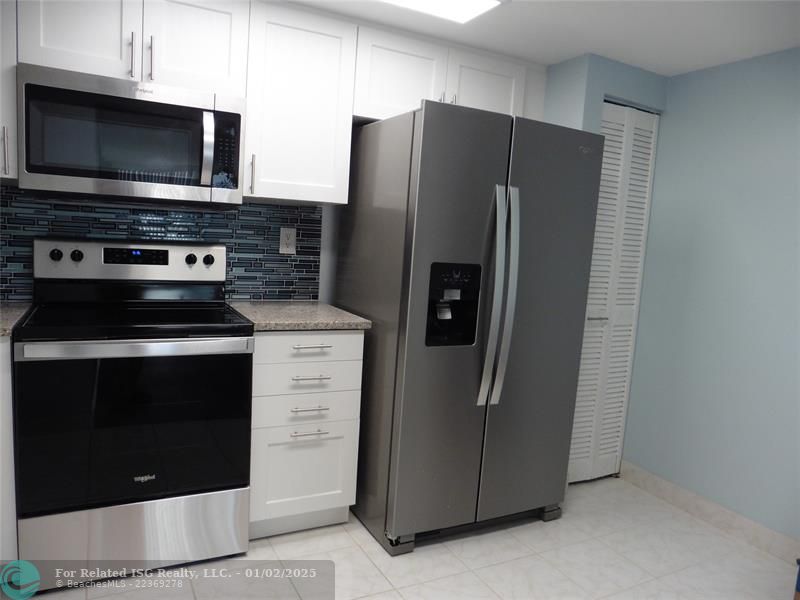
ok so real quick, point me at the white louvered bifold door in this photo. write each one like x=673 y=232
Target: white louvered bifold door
x=614 y=285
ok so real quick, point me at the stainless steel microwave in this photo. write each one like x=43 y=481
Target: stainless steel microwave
x=88 y=134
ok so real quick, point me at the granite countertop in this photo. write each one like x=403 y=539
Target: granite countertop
x=10 y=312
x=287 y=315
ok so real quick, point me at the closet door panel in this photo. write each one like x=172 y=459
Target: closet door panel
x=614 y=289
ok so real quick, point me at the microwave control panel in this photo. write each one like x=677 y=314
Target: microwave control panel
x=227 y=136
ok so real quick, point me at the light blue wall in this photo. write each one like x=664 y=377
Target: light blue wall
x=577 y=88
x=565 y=92
x=715 y=400
x=609 y=79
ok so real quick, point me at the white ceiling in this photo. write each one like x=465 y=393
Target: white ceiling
x=667 y=37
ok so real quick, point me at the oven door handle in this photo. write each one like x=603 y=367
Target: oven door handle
x=26 y=351
x=208 y=148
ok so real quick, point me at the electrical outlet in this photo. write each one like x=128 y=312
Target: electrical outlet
x=288 y=240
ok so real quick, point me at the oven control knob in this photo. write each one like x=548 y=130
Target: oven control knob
x=76 y=255
x=191 y=259
x=208 y=260
x=56 y=254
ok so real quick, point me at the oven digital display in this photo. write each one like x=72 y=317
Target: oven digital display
x=135 y=256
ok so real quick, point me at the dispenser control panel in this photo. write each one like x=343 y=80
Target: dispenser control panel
x=453 y=296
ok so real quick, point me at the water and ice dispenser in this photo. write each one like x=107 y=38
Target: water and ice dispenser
x=453 y=296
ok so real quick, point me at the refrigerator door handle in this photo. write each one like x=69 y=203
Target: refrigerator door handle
x=511 y=300
x=497 y=298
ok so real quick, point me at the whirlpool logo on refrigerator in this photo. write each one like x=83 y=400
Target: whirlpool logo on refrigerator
x=144 y=478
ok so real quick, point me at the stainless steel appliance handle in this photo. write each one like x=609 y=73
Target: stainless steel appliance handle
x=497 y=298
x=253 y=175
x=152 y=58
x=312 y=409
x=25 y=351
x=133 y=51
x=312 y=346
x=511 y=299
x=311 y=378
x=208 y=148
x=5 y=150
x=309 y=434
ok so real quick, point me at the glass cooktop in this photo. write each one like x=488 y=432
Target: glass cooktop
x=130 y=321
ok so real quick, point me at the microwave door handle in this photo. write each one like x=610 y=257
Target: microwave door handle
x=497 y=299
x=208 y=147
x=511 y=300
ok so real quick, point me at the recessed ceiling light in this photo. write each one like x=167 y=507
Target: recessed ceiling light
x=459 y=11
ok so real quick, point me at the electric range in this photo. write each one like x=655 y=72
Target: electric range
x=132 y=405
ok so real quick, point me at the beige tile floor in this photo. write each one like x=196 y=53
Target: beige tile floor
x=613 y=541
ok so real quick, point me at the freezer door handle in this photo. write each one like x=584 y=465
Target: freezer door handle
x=497 y=298
x=511 y=299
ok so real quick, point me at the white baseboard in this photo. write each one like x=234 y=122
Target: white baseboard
x=268 y=527
x=777 y=544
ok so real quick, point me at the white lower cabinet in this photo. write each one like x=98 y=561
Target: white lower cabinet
x=303 y=468
x=304 y=443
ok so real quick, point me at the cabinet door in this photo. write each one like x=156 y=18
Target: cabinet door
x=103 y=38
x=301 y=70
x=302 y=468
x=485 y=82
x=197 y=44
x=8 y=89
x=394 y=74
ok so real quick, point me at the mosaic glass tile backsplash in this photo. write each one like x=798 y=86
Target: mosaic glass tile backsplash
x=251 y=233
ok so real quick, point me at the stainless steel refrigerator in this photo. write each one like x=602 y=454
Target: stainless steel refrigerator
x=467 y=242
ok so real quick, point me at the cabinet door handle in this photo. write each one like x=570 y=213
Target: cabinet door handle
x=312 y=346
x=5 y=150
x=152 y=57
x=454 y=99
x=311 y=378
x=309 y=433
x=441 y=98
x=253 y=175
x=310 y=409
x=133 y=52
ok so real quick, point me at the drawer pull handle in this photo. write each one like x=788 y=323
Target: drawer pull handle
x=309 y=434
x=312 y=346
x=311 y=378
x=310 y=409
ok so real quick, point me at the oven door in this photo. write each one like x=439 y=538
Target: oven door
x=113 y=422
x=87 y=134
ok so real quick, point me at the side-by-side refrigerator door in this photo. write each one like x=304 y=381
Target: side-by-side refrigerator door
x=460 y=161
x=554 y=180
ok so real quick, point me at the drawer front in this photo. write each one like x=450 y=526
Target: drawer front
x=305 y=378
x=308 y=346
x=301 y=409
x=301 y=469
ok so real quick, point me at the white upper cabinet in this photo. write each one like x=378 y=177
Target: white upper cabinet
x=197 y=43
x=394 y=74
x=486 y=82
x=8 y=89
x=104 y=38
x=301 y=71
